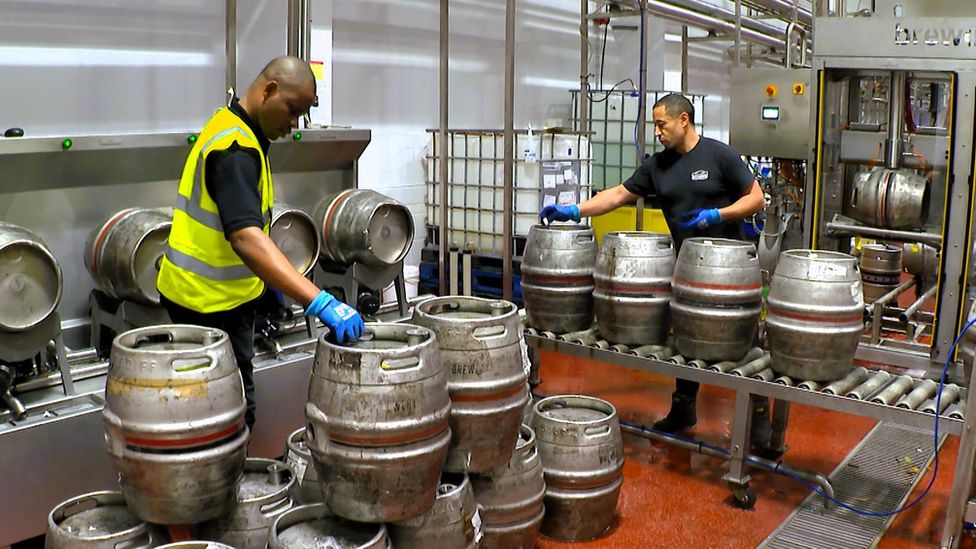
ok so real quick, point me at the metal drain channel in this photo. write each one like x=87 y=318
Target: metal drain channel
x=878 y=476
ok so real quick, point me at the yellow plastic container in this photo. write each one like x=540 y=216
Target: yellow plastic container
x=625 y=219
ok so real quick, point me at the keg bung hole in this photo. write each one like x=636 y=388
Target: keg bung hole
x=416 y=336
x=498 y=308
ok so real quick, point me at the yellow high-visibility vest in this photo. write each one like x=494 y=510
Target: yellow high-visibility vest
x=200 y=270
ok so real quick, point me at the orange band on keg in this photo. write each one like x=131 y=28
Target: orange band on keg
x=556 y=279
x=812 y=318
x=591 y=483
x=631 y=290
x=435 y=429
x=490 y=396
x=710 y=286
x=97 y=247
x=178 y=442
x=332 y=208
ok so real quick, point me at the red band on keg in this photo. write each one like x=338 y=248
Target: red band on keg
x=433 y=430
x=556 y=279
x=99 y=240
x=709 y=286
x=811 y=318
x=184 y=442
x=631 y=290
x=584 y=484
x=490 y=396
x=332 y=208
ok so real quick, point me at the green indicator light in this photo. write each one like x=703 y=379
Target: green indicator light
x=297 y=136
x=66 y=143
x=192 y=138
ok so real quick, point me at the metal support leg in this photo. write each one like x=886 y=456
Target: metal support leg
x=737 y=478
x=67 y=382
x=962 y=480
x=453 y=273
x=401 y=294
x=466 y=272
x=781 y=418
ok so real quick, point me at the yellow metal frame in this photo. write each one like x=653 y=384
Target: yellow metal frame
x=623 y=219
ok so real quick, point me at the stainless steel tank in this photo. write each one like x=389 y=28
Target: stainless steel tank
x=633 y=287
x=315 y=527
x=557 y=277
x=306 y=487
x=893 y=199
x=378 y=422
x=512 y=497
x=99 y=520
x=30 y=279
x=717 y=298
x=123 y=253
x=582 y=458
x=262 y=495
x=360 y=225
x=880 y=270
x=453 y=522
x=174 y=422
x=815 y=314
x=482 y=360
x=296 y=234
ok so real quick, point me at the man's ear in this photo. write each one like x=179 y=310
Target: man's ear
x=270 y=88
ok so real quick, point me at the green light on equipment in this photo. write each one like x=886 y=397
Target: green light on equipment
x=297 y=136
x=192 y=138
x=66 y=143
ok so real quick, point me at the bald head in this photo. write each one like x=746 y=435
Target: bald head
x=280 y=95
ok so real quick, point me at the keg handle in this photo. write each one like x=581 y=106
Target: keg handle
x=489 y=332
x=192 y=364
x=854 y=196
x=597 y=431
x=585 y=238
x=278 y=506
x=83 y=503
x=398 y=364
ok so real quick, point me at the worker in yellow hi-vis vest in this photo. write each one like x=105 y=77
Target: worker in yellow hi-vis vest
x=220 y=257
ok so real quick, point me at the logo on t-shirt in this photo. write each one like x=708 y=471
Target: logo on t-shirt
x=700 y=175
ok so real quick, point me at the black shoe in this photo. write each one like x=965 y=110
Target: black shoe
x=681 y=416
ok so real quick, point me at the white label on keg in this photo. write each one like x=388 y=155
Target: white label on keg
x=298 y=466
x=476 y=523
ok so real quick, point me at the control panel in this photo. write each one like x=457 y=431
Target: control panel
x=770 y=112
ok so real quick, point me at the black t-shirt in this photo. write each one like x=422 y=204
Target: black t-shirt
x=711 y=175
x=232 y=177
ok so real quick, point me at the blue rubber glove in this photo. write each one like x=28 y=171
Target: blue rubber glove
x=700 y=218
x=343 y=321
x=555 y=212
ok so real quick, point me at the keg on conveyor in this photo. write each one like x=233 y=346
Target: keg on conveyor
x=196 y=545
x=262 y=495
x=99 y=520
x=582 y=456
x=632 y=287
x=30 y=280
x=124 y=251
x=453 y=522
x=314 y=527
x=557 y=277
x=815 y=314
x=174 y=422
x=378 y=422
x=716 y=298
x=512 y=497
x=363 y=226
x=893 y=199
x=296 y=234
x=482 y=360
x=306 y=487
x=880 y=270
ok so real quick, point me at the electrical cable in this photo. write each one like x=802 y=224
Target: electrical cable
x=603 y=54
x=642 y=93
x=839 y=503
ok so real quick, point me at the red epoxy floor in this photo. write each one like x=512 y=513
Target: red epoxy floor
x=674 y=498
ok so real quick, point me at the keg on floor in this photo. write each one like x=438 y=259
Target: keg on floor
x=378 y=422
x=482 y=360
x=123 y=253
x=306 y=487
x=174 y=422
x=717 y=298
x=30 y=279
x=453 y=522
x=315 y=527
x=296 y=234
x=511 y=497
x=582 y=456
x=880 y=270
x=99 y=520
x=815 y=314
x=262 y=495
x=893 y=199
x=364 y=226
x=632 y=290
x=557 y=277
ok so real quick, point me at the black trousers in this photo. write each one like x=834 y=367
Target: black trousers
x=239 y=325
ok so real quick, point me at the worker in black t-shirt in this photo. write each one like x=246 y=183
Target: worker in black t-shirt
x=220 y=258
x=704 y=189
